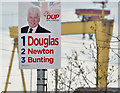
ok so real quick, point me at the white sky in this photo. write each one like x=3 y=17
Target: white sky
x=9 y=11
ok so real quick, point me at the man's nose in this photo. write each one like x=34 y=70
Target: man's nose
x=33 y=19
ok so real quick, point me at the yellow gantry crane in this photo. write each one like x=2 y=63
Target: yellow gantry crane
x=94 y=23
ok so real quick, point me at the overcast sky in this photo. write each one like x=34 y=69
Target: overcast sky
x=9 y=11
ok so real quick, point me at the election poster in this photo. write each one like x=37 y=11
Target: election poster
x=39 y=35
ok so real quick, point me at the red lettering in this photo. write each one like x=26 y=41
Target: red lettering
x=56 y=16
x=56 y=41
x=29 y=59
x=36 y=41
x=41 y=59
x=48 y=16
x=39 y=52
x=53 y=16
x=42 y=42
x=46 y=42
x=30 y=51
x=52 y=41
x=30 y=43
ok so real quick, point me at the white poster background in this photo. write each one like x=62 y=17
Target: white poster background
x=54 y=26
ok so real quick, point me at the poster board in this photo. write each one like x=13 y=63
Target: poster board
x=40 y=49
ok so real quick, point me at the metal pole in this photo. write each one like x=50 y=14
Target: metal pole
x=40 y=80
x=31 y=82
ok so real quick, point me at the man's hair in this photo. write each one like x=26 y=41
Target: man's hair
x=34 y=10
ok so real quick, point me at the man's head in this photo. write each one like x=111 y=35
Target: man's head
x=33 y=16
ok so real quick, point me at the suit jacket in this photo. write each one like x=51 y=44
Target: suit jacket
x=38 y=30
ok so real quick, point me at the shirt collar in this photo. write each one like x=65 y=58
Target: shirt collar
x=34 y=29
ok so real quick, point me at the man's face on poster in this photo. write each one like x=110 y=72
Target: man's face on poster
x=33 y=19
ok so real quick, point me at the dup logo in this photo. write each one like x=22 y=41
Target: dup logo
x=51 y=17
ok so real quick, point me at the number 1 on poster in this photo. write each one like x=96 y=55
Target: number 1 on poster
x=23 y=40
